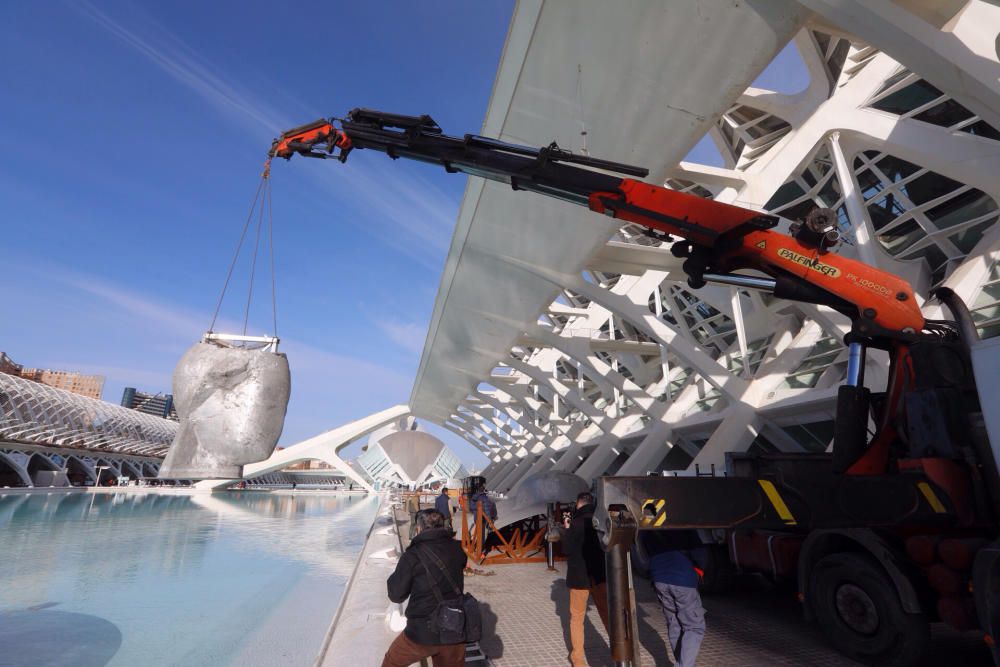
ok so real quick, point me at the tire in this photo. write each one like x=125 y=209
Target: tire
x=719 y=570
x=859 y=610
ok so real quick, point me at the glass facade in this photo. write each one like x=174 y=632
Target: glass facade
x=986 y=306
x=828 y=352
x=918 y=214
x=906 y=94
x=748 y=133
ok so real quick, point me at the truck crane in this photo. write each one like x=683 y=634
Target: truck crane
x=882 y=534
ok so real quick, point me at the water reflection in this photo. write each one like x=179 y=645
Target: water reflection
x=200 y=569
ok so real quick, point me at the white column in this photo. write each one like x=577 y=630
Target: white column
x=852 y=201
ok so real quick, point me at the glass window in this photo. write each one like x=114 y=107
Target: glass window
x=986 y=307
x=982 y=129
x=885 y=211
x=936 y=260
x=800 y=210
x=830 y=192
x=835 y=64
x=901 y=237
x=814 y=437
x=869 y=184
x=823 y=41
x=892 y=81
x=727 y=131
x=790 y=191
x=761 y=445
x=895 y=168
x=945 y=114
x=909 y=98
x=743 y=114
x=970 y=204
x=967 y=239
x=929 y=186
x=771 y=124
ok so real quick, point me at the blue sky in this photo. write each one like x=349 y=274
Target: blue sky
x=134 y=135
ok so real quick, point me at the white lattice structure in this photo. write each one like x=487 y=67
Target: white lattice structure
x=31 y=412
x=50 y=436
x=561 y=342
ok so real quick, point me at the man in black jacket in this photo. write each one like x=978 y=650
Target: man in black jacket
x=585 y=573
x=413 y=580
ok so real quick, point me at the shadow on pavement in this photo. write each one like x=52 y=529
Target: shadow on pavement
x=491 y=642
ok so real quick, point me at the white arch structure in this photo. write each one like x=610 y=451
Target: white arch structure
x=324 y=447
x=561 y=340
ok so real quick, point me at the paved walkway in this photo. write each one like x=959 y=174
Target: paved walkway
x=528 y=607
x=526 y=615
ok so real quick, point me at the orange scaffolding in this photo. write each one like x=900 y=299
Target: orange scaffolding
x=523 y=542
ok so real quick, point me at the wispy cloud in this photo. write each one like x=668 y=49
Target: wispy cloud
x=408 y=335
x=144 y=336
x=412 y=215
x=188 y=68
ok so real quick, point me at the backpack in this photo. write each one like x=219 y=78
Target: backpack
x=456 y=620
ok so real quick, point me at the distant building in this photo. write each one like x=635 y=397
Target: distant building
x=402 y=454
x=91 y=386
x=311 y=464
x=159 y=405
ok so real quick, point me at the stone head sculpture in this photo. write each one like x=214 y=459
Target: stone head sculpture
x=231 y=402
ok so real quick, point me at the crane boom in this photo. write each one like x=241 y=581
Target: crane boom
x=928 y=471
x=716 y=238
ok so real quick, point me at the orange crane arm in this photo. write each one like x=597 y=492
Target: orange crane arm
x=717 y=238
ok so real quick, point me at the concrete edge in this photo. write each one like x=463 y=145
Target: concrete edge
x=321 y=656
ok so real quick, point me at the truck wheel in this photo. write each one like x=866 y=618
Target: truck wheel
x=719 y=570
x=859 y=610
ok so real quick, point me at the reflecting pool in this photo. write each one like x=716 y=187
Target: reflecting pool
x=239 y=578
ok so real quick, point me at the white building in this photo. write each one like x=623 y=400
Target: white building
x=561 y=340
x=403 y=454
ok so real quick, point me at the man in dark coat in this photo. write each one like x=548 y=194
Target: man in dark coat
x=481 y=500
x=585 y=573
x=412 y=580
x=443 y=505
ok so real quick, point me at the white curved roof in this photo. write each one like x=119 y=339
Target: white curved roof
x=641 y=82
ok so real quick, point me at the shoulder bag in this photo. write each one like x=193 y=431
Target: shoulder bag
x=456 y=619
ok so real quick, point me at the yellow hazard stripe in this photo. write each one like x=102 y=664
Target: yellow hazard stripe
x=776 y=500
x=659 y=517
x=931 y=497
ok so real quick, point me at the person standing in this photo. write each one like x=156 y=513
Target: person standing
x=481 y=500
x=443 y=505
x=413 y=506
x=434 y=559
x=586 y=576
x=674 y=575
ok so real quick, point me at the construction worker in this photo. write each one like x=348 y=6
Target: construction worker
x=672 y=569
x=585 y=573
x=481 y=500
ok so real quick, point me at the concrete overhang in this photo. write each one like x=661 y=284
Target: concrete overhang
x=637 y=82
